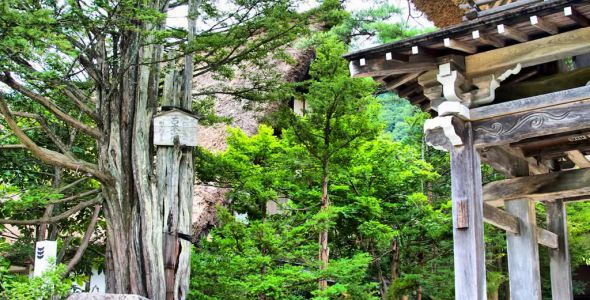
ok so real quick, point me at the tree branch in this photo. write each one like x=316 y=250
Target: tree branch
x=13 y=146
x=81 y=195
x=80 y=206
x=54 y=138
x=71 y=185
x=85 y=240
x=48 y=156
x=7 y=79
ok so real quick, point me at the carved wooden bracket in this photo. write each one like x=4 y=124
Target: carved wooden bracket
x=453 y=82
x=442 y=133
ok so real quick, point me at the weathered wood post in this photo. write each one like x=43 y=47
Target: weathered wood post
x=451 y=131
x=469 y=253
x=561 y=273
x=523 y=252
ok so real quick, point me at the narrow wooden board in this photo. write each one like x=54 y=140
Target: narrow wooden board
x=531 y=53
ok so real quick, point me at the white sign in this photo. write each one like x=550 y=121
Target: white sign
x=175 y=124
x=45 y=255
x=97 y=282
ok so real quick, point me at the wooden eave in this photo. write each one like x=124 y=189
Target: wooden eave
x=399 y=62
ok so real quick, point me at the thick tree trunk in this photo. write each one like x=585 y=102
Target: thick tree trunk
x=134 y=220
x=148 y=202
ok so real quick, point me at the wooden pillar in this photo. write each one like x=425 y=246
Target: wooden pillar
x=561 y=274
x=469 y=253
x=523 y=252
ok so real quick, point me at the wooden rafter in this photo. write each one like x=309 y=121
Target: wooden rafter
x=542 y=24
x=512 y=33
x=578 y=158
x=488 y=39
x=397 y=82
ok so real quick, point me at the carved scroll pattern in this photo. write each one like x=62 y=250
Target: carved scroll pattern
x=535 y=120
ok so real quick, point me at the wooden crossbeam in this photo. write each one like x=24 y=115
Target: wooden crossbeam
x=544 y=25
x=500 y=218
x=512 y=33
x=573 y=184
x=510 y=223
x=459 y=46
x=528 y=54
x=547 y=238
x=488 y=39
x=534 y=123
x=578 y=158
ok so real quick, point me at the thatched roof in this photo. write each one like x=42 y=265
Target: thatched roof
x=442 y=13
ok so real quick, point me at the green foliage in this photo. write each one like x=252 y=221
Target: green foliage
x=50 y=284
x=374 y=185
x=380 y=21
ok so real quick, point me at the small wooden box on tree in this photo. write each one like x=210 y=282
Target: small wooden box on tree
x=175 y=123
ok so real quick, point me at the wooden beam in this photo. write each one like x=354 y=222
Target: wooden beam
x=532 y=53
x=540 y=122
x=559 y=258
x=565 y=185
x=578 y=158
x=380 y=67
x=523 y=253
x=511 y=224
x=544 y=25
x=530 y=103
x=576 y=16
x=547 y=238
x=555 y=146
x=459 y=46
x=512 y=33
x=500 y=218
x=488 y=39
x=397 y=82
x=510 y=162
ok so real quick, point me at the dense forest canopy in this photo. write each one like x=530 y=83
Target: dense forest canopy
x=342 y=200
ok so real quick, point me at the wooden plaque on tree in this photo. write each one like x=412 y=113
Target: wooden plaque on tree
x=175 y=124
